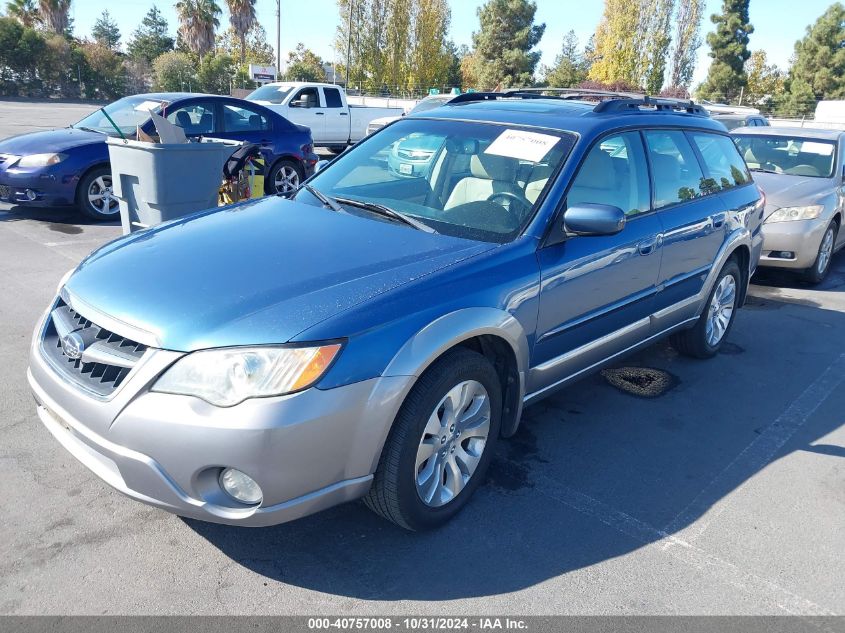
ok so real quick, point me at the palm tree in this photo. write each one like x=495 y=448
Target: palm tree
x=197 y=22
x=24 y=11
x=242 y=18
x=54 y=14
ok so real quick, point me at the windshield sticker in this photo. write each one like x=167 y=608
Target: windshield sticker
x=822 y=149
x=529 y=146
x=147 y=106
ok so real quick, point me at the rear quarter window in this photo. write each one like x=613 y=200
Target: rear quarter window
x=725 y=167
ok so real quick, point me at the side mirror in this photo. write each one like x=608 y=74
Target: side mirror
x=299 y=103
x=593 y=219
x=321 y=165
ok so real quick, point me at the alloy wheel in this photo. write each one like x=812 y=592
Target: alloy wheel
x=100 y=196
x=825 y=252
x=287 y=179
x=452 y=443
x=721 y=310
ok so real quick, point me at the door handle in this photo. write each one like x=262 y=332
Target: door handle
x=319 y=113
x=343 y=113
x=718 y=220
x=648 y=246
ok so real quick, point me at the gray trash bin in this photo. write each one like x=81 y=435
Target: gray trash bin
x=156 y=182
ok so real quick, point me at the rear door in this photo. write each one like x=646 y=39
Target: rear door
x=241 y=122
x=597 y=292
x=693 y=217
x=196 y=117
x=337 y=117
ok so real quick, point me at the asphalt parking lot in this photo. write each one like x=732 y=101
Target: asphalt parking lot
x=725 y=495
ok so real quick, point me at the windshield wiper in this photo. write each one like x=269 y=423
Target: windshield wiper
x=87 y=129
x=387 y=212
x=328 y=202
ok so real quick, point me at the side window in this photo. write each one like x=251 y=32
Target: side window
x=197 y=118
x=676 y=173
x=332 y=96
x=308 y=97
x=614 y=173
x=238 y=119
x=725 y=167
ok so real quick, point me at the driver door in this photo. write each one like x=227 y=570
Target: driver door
x=597 y=292
x=310 y=112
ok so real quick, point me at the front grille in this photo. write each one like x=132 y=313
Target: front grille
x=89 y=355
x=5 y=192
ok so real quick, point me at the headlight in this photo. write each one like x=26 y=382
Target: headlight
x=41 y=160
x=226 y=377
x=790 y=214
x=64 y=279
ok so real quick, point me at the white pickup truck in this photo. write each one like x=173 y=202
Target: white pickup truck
x=323 y=108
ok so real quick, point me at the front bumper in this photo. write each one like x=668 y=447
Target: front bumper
x=47 y=187
x=802 y=238
x=308 y=451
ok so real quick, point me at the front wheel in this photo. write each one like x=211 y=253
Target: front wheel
x=441 y=443
x=818 y=271
x=284 y=177
x=94 y=196
x=712 y=327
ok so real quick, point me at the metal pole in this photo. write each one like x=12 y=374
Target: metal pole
x=278 y=37
x=349 y=44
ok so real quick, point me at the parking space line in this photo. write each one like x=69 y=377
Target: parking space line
x=756 y=455
x=72 y=242
x=763 y=590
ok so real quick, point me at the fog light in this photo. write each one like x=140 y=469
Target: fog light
x=30 y=194
x=240 y=486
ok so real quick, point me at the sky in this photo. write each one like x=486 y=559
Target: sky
x=778 y=23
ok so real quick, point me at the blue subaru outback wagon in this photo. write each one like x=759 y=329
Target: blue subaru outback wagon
x=373 y=334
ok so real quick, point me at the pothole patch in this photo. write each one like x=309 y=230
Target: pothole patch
x=643 y=382
x=731 y=349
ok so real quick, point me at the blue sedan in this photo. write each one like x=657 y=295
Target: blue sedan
x=70 y=166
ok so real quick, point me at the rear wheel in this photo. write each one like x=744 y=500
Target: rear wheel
x=94 y=195
x=818 y=271
x=285 y=176
x=441 y=443
x=712 y=327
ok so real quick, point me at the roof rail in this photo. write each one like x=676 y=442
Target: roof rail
x=609 y=101
x=658 y=104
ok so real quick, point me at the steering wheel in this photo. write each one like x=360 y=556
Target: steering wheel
x=524 y=204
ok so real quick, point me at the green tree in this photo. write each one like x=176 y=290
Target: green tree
x=215 y=74
x=24 y=11
x=20 y=50
x=104 y=75
x=257 y=50
x=304 y=65
x=503 y=47
x=570 y=67
x=766 y=82
x=617 y=44
x=655 y=33
x=197 y=24
x=241 y=19
x=151 y=38
x=106 y=32
x=729 y=51
x=686 y=42
x=430 y=59
x=818 y=71
x=174 y=71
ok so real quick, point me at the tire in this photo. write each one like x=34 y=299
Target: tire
x=285 y=176
x=94 y=195
x=401 y=480
x=821 y=266
x=337 y=149
x=699 y=341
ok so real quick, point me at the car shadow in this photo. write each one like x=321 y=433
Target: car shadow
x=658 y=467
x=59 y=219
x=778 y=278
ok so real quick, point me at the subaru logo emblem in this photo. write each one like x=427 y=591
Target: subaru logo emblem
x=73 y=345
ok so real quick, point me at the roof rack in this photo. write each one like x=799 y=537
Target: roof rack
x=608 y=101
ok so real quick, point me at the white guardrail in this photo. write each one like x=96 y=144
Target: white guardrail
x=805 y=122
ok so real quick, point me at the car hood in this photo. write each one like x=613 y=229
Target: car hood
x=253 y=274
x=49 y=141
x=788 y=191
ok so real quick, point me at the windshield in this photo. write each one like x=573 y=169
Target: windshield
x=269 y=93
x=731 y=122
x=429 y=104
x=127 y=113
x=474 y=180
x=793 y=156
